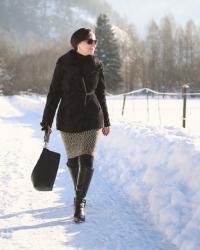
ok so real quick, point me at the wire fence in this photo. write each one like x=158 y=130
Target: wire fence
x=181 y=106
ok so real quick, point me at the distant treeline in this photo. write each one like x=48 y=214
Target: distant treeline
x=30 y=71
x=165 y=59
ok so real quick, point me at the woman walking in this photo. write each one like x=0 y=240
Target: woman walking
x=78 y=87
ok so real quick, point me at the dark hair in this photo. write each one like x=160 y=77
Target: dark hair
x=79 y=36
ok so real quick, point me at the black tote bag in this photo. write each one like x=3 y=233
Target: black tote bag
x=44 y=173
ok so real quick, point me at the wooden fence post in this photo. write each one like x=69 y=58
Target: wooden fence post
x=147 y=94
x=184 y=94
x=123 y=104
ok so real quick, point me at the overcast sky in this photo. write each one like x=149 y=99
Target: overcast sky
x=140 y=12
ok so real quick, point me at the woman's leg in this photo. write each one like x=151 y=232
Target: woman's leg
x=72 y=162
x=83 y=181
x=73 y=166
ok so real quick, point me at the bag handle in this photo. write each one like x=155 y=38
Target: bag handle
x=46 y=139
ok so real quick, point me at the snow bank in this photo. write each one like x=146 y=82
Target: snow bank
x=160 y=170
x=17 y=106
x=7 y=109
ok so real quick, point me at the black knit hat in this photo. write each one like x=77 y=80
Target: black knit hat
x=79 y=36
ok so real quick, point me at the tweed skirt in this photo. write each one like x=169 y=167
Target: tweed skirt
x=80 y=143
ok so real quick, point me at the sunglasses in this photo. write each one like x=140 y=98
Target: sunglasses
x=91 y=41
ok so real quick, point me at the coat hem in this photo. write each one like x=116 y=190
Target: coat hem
x=78 y=130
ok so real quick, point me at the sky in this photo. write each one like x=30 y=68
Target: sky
x=140 y=12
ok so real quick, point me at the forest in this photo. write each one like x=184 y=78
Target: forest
x=35 y=33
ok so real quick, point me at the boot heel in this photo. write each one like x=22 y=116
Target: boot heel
x=79 y=215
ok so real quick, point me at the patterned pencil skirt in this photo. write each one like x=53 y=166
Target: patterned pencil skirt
x=80 y=143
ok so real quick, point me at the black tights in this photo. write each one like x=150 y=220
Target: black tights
x=84 y=160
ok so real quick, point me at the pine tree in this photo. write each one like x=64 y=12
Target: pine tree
x=108 y=52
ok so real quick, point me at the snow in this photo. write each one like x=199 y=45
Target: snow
x=157 y=111
x=144 y=193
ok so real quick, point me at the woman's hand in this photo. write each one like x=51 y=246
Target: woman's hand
x=47 y=129
x=106 y=130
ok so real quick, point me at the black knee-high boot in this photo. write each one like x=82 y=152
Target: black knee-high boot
x=84 y=178
x=73 y=166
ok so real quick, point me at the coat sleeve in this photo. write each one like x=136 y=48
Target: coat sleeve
x=53 y=96
x=100 y=93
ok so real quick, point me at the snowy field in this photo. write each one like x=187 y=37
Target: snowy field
x=144 y=194
x=157 y=111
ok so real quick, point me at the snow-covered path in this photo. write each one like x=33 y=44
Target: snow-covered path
x=144 y=194
x=32 y=220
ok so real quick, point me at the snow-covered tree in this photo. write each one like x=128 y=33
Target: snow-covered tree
x=108 y=52
x=6 y=84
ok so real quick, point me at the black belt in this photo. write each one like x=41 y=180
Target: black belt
x=86 y=93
